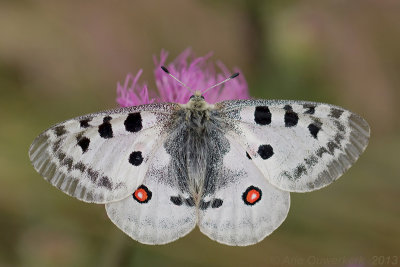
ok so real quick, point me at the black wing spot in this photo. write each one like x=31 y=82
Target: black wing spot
x=216 y=203
x=133 y=122
x=60 y=130
x=291 y=117
x=176 y=200
x=288 y=107
x=310 y=109
x=265 y=151
x=84 y=142
x=314 y=129
x=136 y=158
x=332 y=146
x=107 y=119
x=339 y=126
x=85 y=123
x=336 y=113
x=262 y=115
x=204 y=205
x=189 y=201
x=105 y=130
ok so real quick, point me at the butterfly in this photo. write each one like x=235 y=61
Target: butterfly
x=161 y=169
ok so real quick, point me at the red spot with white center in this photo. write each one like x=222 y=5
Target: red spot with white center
x=142 y=194
x=252 y=195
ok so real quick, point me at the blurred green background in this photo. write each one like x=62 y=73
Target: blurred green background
x=61 y=59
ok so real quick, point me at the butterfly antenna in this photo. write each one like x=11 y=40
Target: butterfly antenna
x=224 y=81
x=176 y=79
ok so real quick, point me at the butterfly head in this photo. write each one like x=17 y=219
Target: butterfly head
x=196 y=101
x=197 y=96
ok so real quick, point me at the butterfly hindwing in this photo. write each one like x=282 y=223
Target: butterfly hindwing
x=298 y=146
x=101 y=157
x=244 y=207
x=157 y=212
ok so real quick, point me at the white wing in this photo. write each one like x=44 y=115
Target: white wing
x=245 y=207
x=103 y=156
x=158 y=212
x=298 y=146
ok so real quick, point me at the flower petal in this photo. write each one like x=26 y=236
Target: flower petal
x=196 y=72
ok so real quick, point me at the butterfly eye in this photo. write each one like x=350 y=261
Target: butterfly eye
x=202 y=97
x=252 y=195
x=191 y=97
x=142 y=194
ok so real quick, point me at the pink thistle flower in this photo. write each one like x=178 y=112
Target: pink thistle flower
x=131 y=93
x=196 y=72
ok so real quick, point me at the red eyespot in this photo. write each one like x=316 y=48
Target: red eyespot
x=142 y=194
x=252 y=195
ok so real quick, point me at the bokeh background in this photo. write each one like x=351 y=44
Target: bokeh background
x=61 y=59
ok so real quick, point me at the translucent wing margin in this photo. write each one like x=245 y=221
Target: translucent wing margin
x=298 y=146
x=103 y=156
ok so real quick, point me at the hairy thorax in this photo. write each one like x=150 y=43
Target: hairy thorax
x=197 y=145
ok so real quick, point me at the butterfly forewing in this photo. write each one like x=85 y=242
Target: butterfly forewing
x=298 y=146
x=103 y=156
